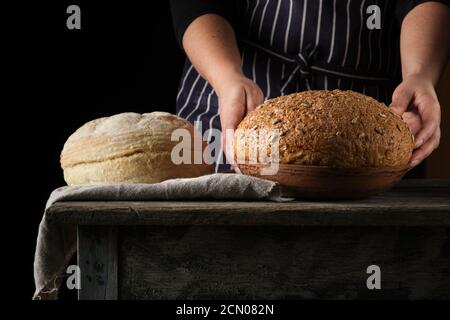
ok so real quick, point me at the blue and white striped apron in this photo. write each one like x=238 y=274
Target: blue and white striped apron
x=295 y=45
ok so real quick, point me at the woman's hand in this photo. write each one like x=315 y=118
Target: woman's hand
x=416 y=102
x=211 y=46
x=424 y=49
x=238 y=96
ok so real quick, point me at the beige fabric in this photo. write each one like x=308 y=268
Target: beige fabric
x=130 y=148
x=57 y=243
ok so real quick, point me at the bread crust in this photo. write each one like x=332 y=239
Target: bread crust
x=342 y=129
x=127 y=148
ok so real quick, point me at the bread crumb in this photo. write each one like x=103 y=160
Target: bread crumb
x=275 y=121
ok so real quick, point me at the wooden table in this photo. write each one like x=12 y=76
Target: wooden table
x=265 y=250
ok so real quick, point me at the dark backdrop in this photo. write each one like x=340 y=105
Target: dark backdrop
x=124 y=58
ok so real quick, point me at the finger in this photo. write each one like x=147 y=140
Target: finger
x=413 y=121
x=227 y=144
x=425 y=150
x=254 y=97
x=232 y=109
x=429 y=112
x=401 y=98
x=229 y=119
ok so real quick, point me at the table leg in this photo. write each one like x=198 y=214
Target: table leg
x=97 y=259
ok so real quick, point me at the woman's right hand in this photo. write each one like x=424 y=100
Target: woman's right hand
x=210 y=44
x=238 y=96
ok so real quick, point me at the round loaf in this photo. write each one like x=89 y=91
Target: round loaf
x=342 y=129
x=127 y=148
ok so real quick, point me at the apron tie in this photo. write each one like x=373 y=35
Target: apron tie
x=305 y=65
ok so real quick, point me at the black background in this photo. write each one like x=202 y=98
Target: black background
x=124 y=58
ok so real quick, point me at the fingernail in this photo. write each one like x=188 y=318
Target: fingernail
x=414 y=163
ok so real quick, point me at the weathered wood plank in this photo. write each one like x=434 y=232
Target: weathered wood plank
x=411 y=203
x=225 y=262
x=251 y=213
x=97 y=259
x=422 y=183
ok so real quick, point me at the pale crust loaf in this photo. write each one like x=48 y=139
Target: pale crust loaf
x=127 y=148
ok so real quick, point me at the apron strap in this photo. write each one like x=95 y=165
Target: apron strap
x=305 y=65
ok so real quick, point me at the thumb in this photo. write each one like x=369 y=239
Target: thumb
x=253 y=97
x=401 y=99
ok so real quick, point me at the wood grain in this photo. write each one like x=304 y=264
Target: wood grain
x=97 y=259
x=412 y=203
x=263 y=262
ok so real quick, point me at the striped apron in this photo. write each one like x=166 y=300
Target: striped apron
x=295 y=45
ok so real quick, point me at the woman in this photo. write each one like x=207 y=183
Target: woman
x=243 y=52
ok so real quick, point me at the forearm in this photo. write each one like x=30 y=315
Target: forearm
x=210 y=44
x=425 y=41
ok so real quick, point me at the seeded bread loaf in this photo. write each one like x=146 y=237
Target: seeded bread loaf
x=341 y=129
x=127 y=148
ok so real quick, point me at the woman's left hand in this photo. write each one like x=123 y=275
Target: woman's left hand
x=416 y=102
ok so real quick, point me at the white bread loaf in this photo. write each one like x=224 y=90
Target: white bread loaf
x=127 y=148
